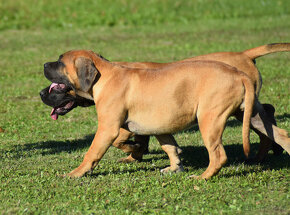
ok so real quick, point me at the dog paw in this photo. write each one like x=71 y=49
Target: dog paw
x=72 y=175
x=128 y=159
x=197 y=177
x=76 y=173
x=172 y=169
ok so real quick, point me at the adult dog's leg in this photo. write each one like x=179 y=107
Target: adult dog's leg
x=270 y=111
x=139 y=146
x=260 y=122
x=266 y=144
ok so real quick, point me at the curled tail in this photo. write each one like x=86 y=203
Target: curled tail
x=249 y=103
x=267 y=49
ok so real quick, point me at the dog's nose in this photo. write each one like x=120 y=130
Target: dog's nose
x=45 y=65
x=41 y=93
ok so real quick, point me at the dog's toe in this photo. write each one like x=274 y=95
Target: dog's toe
x=165 y=170
x=197 y=177
x=172 y=169
x=127 y=160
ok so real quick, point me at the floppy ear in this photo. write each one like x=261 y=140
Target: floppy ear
x=86 y=72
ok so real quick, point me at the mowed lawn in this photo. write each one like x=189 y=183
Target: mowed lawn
x=35 y=150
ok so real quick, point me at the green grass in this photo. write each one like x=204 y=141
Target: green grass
x=35 y=150
x=76 y=13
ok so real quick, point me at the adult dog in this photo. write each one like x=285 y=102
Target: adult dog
x=158 y=102
x=243 y=61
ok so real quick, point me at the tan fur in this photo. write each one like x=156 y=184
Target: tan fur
x=243 y=61
x=166 y=100
x=266 y=49
x=249 y=101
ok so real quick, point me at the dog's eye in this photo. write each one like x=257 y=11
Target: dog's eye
x=71 y=92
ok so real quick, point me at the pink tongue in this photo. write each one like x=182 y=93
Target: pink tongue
x=52 y=86
x=53 y=115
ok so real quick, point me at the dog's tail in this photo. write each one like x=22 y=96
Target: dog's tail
x=267 y=49
x=248 y=104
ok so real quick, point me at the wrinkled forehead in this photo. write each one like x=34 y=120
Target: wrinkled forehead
x=71 y=56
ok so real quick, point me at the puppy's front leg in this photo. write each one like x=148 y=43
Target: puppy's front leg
x=102 y=141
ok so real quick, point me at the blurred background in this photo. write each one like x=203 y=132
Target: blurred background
x=34 y=149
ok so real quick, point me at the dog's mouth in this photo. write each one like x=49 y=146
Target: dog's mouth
x=58 y=87
x=56 y=111
x=66 y=106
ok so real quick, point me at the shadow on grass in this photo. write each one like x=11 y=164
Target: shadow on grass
x=197 y=157
x=192 y=156
x=55 y=147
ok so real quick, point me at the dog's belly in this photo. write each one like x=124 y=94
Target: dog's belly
x=161 y=126
x=139 y=129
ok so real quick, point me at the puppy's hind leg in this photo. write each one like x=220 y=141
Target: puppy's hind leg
x=170 y=146
x=211 y=127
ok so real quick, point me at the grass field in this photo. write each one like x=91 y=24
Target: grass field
x=35 y=150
